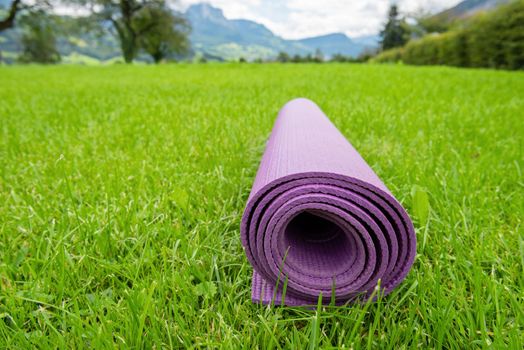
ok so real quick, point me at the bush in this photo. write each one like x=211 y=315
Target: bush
x=494 y=39
x=389 y=56
x=497 y=39
x=422 y=51
x=453 y=49
x=438 y=49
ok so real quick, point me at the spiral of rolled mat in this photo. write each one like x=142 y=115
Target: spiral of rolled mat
x=319 y=220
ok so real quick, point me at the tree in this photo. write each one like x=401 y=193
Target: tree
x=319 y=56
x=9 y=20
x=16 y=8
x=394 y=32
x=167 y=33
x=125 y=16
x=122 y=14
x=283 y=57
x=38 y=41
x=296 y=58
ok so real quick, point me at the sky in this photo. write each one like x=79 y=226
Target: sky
x=295 y=19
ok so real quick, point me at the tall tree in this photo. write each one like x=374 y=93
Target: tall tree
x=38 y=40
x=394 y=33
x=167 y=34
x=123 y=14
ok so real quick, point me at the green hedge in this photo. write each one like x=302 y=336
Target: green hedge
x=497 y=39
x=443 y=49
x=388 y=56
x=494 y=39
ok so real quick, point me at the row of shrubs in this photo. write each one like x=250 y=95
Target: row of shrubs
x=494 y=39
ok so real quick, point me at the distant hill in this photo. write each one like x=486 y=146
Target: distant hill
x=331 y=44
x=214 y=34
x=467 y=8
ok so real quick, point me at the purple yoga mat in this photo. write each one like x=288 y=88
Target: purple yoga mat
x=318 y=219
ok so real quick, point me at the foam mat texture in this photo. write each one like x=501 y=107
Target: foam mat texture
x=319 y=220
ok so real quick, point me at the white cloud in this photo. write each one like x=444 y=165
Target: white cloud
x=294 y=19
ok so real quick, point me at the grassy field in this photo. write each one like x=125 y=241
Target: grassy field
x=122 y=188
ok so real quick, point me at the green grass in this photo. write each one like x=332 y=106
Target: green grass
x=122 y=188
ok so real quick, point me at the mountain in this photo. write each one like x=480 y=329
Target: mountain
x=331 y=44
x=214 y=34
x=468 y=8
x=368 y=41
x=210 y=27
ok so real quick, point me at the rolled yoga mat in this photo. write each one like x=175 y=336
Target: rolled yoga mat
x=319 y=220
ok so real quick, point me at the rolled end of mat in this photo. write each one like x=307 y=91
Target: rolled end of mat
x=320 y=232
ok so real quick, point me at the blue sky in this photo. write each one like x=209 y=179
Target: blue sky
x=294 y=19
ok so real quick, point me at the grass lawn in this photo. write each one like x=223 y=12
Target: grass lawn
x=122 y=188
